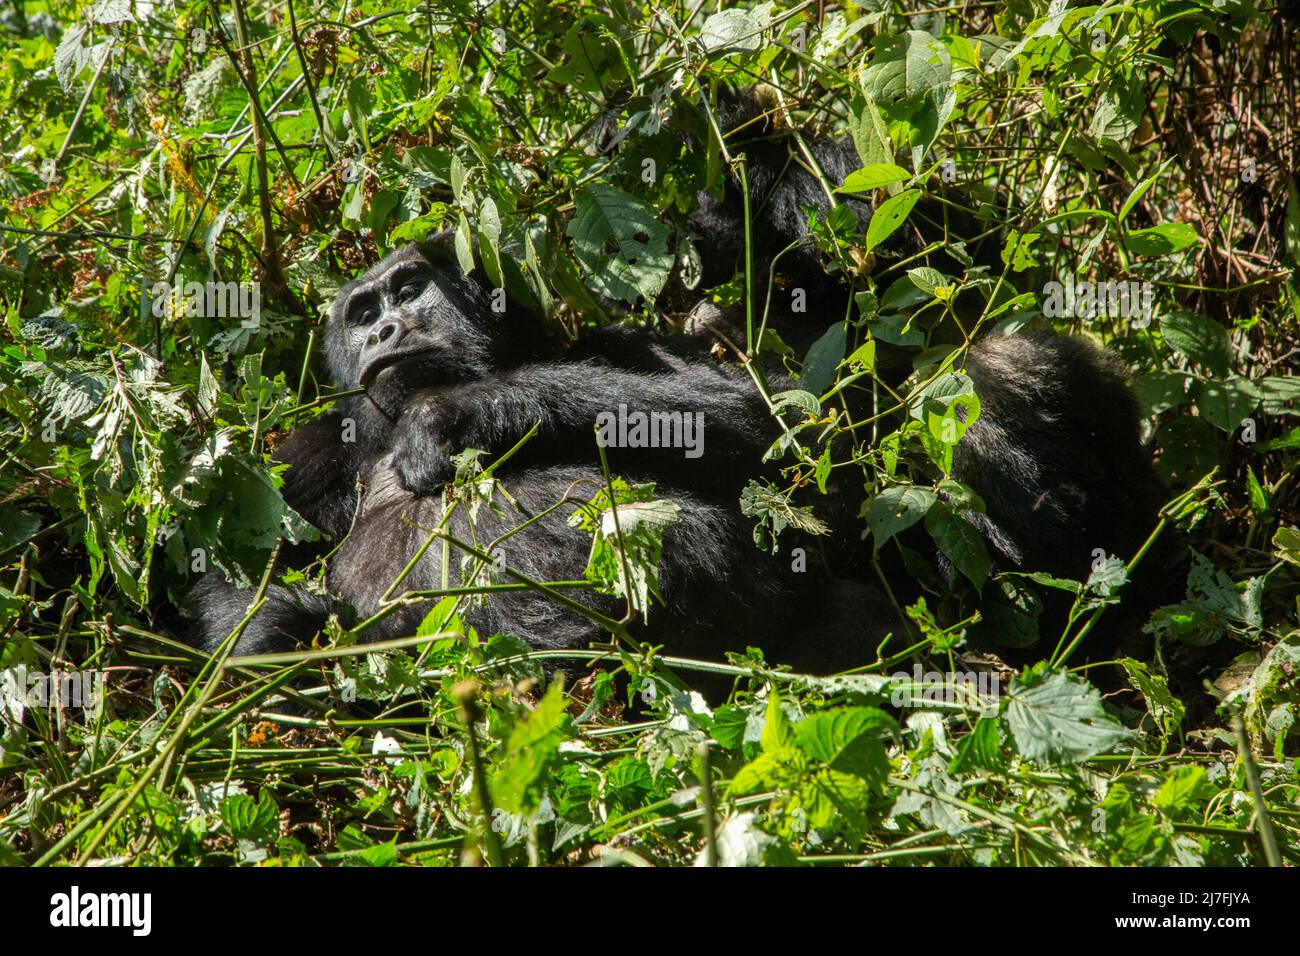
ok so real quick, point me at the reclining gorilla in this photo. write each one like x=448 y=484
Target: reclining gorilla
x=444 y=372
x=1051 y=454
x=1055 y=455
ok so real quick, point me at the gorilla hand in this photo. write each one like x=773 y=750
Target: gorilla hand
x=432 y=429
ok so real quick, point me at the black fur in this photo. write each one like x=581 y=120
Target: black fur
x=1056 y=454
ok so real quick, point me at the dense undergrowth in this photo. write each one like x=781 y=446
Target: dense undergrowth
x=1151 y=143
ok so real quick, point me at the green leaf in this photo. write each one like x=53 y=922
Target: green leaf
x=1180 y=790
x=1161 y=390
x=960 y=543
x=865 y=355
x=823 y=359
x=1259 y=502
x=381 y=854
x=780 y=768
x=1199 y=338
x=891 y=214
x=1290 y=441
x=741 y=842
x=1166 y=709
x=1056 y=718
x=805 y=401
x=850 y=740
x=731 y=30
x=906 y=70
x=896 y=509
x=870 y=133
x=928 y=280
x=777 y=732
x=765 y=502
x=1161 y=240
x=627 y=548
x=948 y=407
x=1107 y=578
x=531 y=751
x=360 y=103
x=1224 y=403
x=1119 y=110
x=873 y=177
x=420 y=228
x=1140 y=190
x=1018 y=252
x=981 y=749
x=72 y=55
x=640 y=261
x=257 y=823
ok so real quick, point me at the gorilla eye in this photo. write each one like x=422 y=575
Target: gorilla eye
x=363 y=314
x=409 y=290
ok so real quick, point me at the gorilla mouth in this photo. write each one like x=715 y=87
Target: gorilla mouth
x=387 y=360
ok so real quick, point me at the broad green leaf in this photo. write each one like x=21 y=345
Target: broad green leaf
x=1161 y=390
x=1201 y=339
x=960 y=543
x=891 y=214
x=865 y=355
x=823 y=359
x=640 y=261
x=778 y=768
x=850 y=740
x=731 y=30
x=1179 y=790
x=906 y=69
x=870 y=133
x=1225 y=402
x=896 y=509
x=531 y=749
x=927 y=280
x=872 y=177
x=1056 y=718
x=1161 y=240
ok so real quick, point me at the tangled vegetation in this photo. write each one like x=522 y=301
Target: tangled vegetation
x=155 y=151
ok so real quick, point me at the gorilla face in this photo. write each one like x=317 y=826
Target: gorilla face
x=409 y=323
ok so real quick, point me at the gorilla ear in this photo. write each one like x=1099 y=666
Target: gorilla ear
x=440 y=249
x=753 y=112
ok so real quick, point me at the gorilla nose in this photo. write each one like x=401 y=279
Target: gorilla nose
x=386 y=333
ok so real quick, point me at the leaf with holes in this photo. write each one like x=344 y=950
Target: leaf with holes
x=890 y=216
x=622 y=247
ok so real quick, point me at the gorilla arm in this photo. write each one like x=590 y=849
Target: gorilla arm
x=567 y=399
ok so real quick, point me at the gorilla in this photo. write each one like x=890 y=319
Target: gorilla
x=1055 y=455
x=444 y=371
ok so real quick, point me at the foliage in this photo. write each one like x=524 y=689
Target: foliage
x=169 y=245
